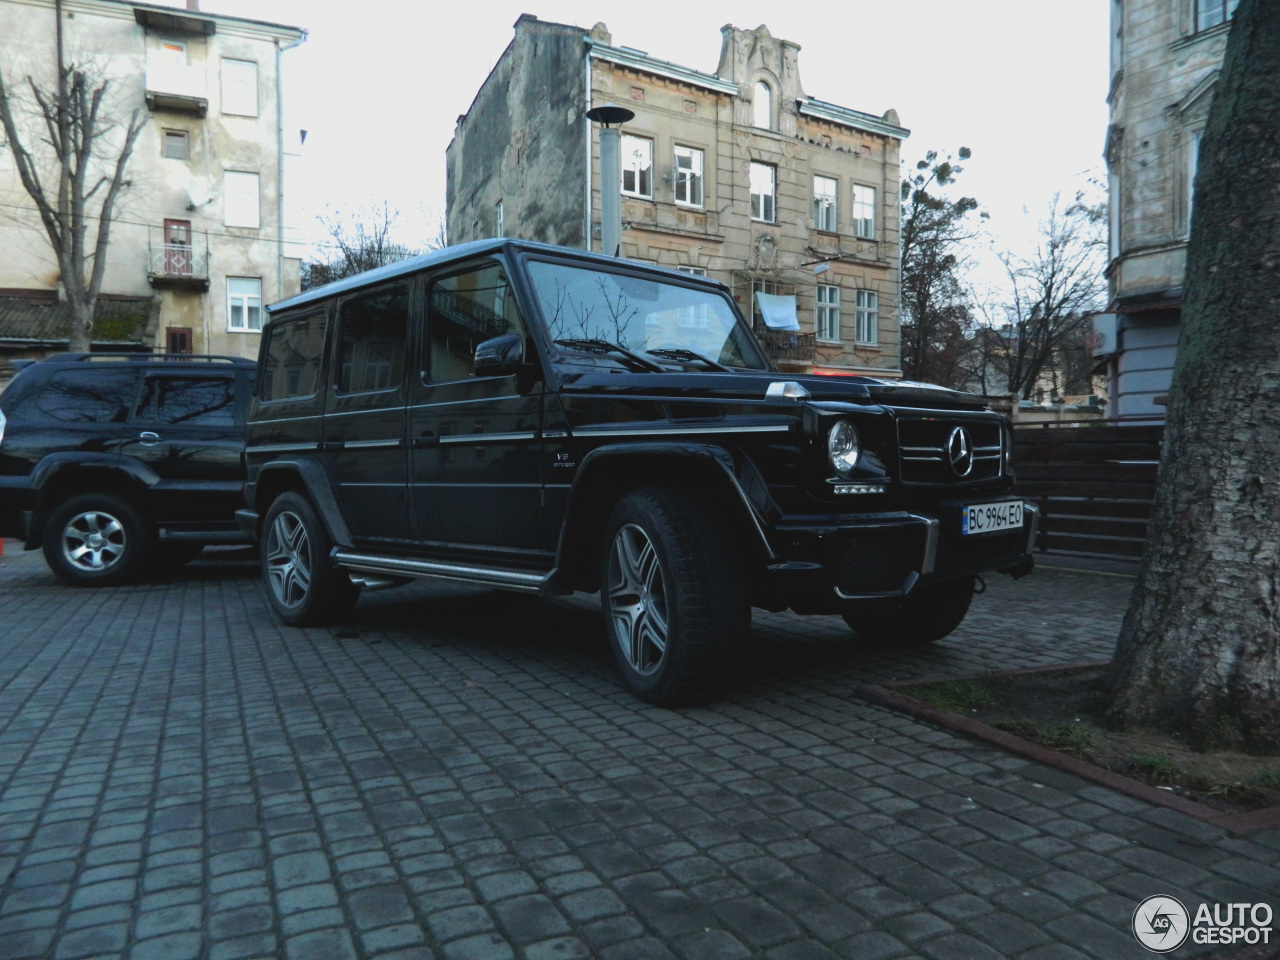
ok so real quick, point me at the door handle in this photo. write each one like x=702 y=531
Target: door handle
x=428 y=439
x=148 y=439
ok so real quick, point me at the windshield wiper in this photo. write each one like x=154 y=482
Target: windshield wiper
x=687 y=356
x=636 y=362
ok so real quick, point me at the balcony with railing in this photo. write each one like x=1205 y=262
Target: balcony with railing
x=178 y=265
x=790 y=347
x=176 y=88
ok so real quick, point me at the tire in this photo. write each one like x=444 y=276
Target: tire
x=303 y=587
x=673 y=596
x=96 y=540
x=925 y=615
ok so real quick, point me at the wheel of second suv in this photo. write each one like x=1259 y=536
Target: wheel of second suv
x=303 y=587
x=926 y=614
x=675 y=607
x=95 y=540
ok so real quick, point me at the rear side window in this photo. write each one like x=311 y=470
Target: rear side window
x=290 y=368
x=208 y=401
x=91 y=395
x=373 y=327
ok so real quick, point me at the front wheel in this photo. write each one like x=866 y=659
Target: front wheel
x=303 y=586
x=673 y=596
x=95 y=540
x=926 y=614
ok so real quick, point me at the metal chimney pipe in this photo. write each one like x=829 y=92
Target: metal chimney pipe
x=610 y=116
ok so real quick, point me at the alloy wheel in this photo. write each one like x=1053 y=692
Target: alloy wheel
x=93 y=541
x=289 y=559
x=637 y=599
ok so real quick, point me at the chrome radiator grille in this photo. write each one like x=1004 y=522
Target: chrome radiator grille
x=939 y=450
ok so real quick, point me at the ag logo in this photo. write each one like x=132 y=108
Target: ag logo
x=1161 y=924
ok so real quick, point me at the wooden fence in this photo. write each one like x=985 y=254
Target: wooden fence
x=1094 y=484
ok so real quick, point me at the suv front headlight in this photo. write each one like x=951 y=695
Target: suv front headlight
x=842 y=447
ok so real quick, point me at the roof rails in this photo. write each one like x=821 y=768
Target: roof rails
x=170 y=357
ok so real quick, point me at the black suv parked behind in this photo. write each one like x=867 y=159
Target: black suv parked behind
x=538 y=419
x=113 y=461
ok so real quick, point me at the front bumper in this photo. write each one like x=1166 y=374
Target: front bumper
x=830 y=559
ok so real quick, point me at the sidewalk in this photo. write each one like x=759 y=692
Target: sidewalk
x=457 y=774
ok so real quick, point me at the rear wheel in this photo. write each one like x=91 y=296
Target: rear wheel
x=673 y=597
x=95 y=540
x=927 y=614
x=303 y=586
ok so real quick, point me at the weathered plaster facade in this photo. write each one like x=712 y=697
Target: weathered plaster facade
x=525 y=143
x=171 y=66
x=1165 y=60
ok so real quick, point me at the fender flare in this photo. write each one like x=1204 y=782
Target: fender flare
x=745 y=495
x=317 y=485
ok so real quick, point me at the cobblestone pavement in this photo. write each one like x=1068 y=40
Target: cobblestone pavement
x=457 y=774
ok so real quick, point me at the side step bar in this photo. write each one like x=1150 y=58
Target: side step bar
x=521 y=581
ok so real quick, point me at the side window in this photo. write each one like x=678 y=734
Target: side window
x=208 y=401
x=291 y=364
x=373 y=326
x=87 y=396
x=466 y=310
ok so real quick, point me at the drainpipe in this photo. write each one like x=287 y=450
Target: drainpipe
x=280 y=164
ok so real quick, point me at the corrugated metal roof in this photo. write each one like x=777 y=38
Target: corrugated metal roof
x=37 y=320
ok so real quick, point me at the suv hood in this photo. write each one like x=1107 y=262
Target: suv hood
x=753 y=384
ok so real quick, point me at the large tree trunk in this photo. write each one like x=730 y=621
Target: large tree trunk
x=1200 y=647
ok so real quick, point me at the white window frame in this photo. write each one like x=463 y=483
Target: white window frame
x=238 y=99
x=693 y=271
x=1211 y=13
x=241 y=199
x=866 y=316
x=826 y=313
x=764 y=205
x=762 y=106
x=639 y=165
x=864 y=211
x=249 y=302
x=825 y=204
x=689 y=176
x=173 y=135
x=500 y=217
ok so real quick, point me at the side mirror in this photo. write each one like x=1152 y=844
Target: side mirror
x=499 y=356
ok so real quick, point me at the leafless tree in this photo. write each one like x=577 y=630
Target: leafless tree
x=360 y=239
x=1199 y=651
x=1047 y=300
x=71 y=158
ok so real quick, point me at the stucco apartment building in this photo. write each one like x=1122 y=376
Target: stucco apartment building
x=199 y=240
x=737 y=175
x=1165 y=60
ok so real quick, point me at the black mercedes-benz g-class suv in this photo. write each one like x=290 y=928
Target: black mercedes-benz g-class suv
x=116 y=461
x=533 y=418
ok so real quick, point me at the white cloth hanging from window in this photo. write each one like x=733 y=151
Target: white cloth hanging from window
x=779 y=312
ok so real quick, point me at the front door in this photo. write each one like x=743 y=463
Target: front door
x=476 y=465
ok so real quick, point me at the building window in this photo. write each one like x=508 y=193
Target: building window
x=762 y=107
x=637 y=166
x=764 y=190
x=177 y=247
x=864 y=212
x=694 y=271
x=177 y=340
x=175 y=145
x=240 y=87
x=244 y=304
x=1210 y=13
x=688 y=176
x=827 y=313
x=173 y=53
x=240 y=199
x=866 y=316
x=501 y=231
x=824 y=204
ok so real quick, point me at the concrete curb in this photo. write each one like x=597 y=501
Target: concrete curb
x=1234 y=823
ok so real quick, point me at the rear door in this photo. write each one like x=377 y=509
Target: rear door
x=364 y=416
x=188 y=427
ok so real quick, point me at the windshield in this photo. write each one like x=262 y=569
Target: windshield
x=663 y=322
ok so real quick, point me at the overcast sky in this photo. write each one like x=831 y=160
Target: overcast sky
x=379 y=84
